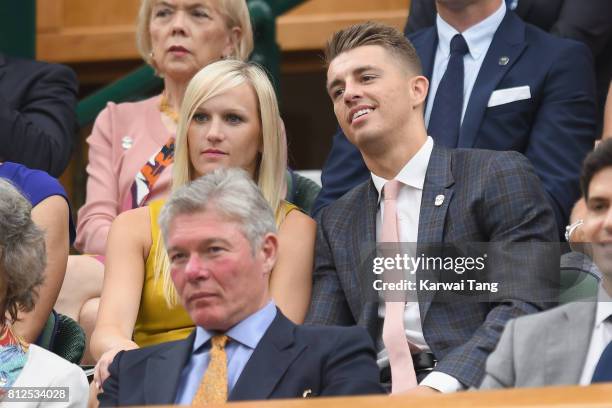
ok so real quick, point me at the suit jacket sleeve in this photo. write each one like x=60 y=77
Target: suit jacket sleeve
x=564 y=127
x=343 y=170
x=351 y=368
x=513 y=210
x=40 y=132
x=328 y=305
x=110 y=395
x=500 y=364
x=422 y=14
x=102 y=204
x=591 y=25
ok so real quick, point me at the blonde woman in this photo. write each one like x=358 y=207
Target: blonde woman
x=131 y=147
x=229 y=118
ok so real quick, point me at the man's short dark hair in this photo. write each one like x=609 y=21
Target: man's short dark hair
x=371 y=33
x=595 y=161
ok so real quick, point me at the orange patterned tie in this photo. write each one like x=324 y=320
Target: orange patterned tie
x=213 y=389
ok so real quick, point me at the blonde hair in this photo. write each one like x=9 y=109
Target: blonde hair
x=211 y=81
x=235 y=12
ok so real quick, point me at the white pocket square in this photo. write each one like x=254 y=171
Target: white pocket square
x=502 y=96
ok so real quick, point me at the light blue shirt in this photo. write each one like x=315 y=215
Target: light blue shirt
x=243 y=338
x=478 y=38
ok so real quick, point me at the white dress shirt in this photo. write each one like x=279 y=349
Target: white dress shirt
x=602 y=335
x=478 y=38
x=412 y=177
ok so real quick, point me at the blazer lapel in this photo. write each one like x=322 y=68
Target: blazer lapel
x=568 y=343
x=508 y=42
x=435 y=201
x=164 y=371
x=270 y=359
x=362 y=251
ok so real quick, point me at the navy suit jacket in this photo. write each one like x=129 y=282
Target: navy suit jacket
x=288 y=361
x=591 y=25
x=37 y=114
x=555 y=129
x=488 y=197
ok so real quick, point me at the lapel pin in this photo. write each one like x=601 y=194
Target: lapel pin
x=504 y=61
x=439 y=200
x=307 y=393
x=126 y=142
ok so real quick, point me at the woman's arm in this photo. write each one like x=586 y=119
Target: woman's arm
x=291 y=280
x=102 y=201
x=129 y=242
x=51 y=215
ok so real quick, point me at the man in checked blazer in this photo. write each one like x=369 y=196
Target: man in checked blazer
x=532 y=93
x=377 y=89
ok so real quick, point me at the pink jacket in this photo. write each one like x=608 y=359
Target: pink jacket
x=124 y=137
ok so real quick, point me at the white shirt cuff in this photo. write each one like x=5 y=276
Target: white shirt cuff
x=442 y=382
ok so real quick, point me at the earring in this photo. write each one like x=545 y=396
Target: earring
x=151 y=55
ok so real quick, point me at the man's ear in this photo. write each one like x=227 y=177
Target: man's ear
x=269 y=251
x=419 y=85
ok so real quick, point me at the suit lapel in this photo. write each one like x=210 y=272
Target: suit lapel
x=362 y=251
x=568 y=343
x=270 y=359
x=509 y=42
x=164 y=371
x=432 y=217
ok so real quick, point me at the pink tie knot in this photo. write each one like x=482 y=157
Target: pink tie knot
x=391 y=189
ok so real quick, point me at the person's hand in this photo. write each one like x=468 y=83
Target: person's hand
x=101 y=370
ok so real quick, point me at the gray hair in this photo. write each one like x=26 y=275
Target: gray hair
x=22 y=252
x=232 y=193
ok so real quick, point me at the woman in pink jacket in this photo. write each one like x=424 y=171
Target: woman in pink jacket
x=131 y=147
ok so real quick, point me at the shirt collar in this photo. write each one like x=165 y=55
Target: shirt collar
x=248 y=332
x=604 y=306
x=478 y=37
x=413 y=172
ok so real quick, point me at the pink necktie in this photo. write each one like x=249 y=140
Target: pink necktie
x=403 y=376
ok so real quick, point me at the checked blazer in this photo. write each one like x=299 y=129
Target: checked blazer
x=489 y=197
x=555 y=128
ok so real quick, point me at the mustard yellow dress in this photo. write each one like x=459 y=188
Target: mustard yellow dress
x=156 y=322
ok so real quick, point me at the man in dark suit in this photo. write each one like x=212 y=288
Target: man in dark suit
x=573 y=19
x=37 y=114
x=221 y=239
x=446 y=196
x=524 y=90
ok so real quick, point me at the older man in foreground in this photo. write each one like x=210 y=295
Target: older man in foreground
x=222 y=244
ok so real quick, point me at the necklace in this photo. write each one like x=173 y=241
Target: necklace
x=164 y=107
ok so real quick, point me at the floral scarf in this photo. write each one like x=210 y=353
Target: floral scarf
x=13 y=356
